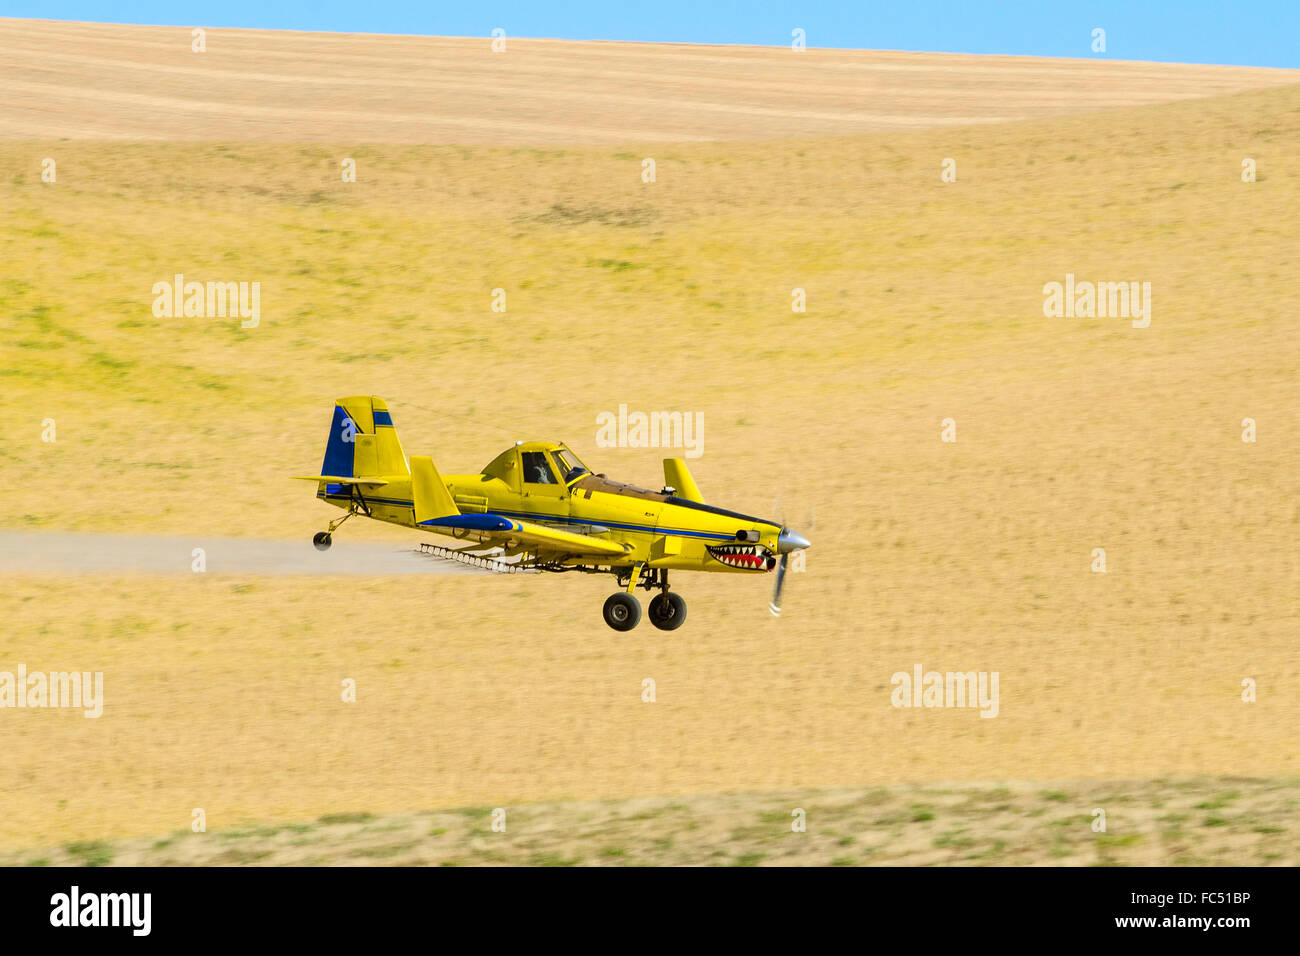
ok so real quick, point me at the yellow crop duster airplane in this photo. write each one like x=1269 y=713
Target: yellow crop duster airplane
x=537 y=502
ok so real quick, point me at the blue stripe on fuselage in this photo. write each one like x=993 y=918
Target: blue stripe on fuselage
x=561 y=519
x=645 y=529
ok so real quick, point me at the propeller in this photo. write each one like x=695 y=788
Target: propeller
x=775 y=606
x=786 y=542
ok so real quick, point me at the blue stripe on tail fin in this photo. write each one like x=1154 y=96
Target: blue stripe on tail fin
x=341 y=447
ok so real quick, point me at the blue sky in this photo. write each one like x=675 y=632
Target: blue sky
x=1261 y=33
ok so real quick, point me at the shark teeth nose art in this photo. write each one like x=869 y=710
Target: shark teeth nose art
x=746 y=557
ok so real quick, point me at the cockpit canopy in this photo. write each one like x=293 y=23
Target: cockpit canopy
x=537 y=463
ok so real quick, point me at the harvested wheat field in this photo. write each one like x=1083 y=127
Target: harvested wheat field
x=925 y=302
x=106 y=81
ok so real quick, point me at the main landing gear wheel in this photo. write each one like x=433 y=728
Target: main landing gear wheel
x=622 y=611
x=322 y=540
x=667 y=611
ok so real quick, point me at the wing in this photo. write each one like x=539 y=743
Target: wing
x=436 y=509
x=503 y=531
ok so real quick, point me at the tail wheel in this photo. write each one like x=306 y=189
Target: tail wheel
x=322 y=540
x=622 y=611
x=668 y=611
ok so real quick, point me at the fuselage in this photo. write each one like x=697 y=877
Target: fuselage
x=544 y=483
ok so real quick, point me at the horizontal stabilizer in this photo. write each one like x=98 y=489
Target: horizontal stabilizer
x=339 y=480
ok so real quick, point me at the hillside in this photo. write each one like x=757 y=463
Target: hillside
x=104 y=81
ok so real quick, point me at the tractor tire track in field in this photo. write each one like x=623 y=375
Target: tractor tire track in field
x=63 y=552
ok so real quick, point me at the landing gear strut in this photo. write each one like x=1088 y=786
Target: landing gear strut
x=667 y=609
x=323 y=539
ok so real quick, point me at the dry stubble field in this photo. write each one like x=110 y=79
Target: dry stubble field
x=924 y=303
